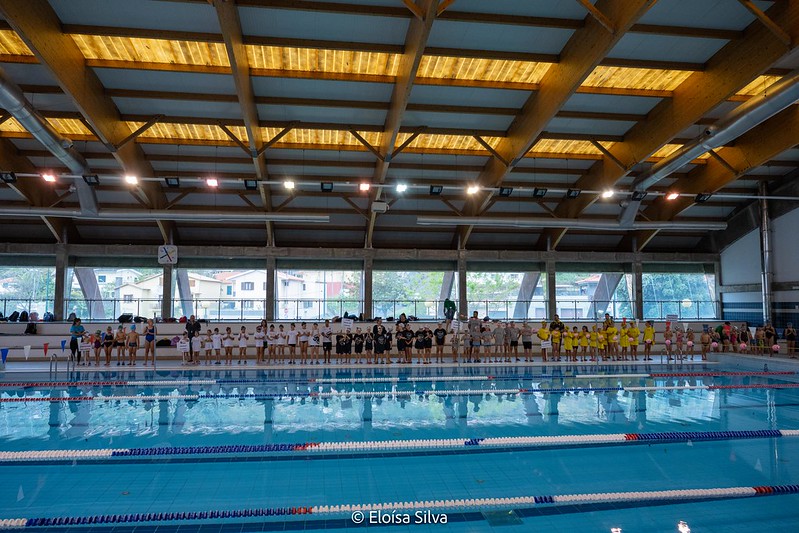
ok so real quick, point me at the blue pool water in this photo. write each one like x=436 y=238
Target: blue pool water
x=354 y=406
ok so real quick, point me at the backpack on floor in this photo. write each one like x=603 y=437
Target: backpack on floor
x=13 y=317
x=23 y=316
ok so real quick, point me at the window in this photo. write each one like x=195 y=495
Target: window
x=27 y=288
x=247 y=286
x=192 y=283
x=248 y=304
x=504 y=295
x=100 y=279
x=307 y=304
x=304 y=287
x=589 y=295
x=264 y=286
x=415 y=293
x=316 y=294
x=285 y=283
x=118 y=281
x=679 y=295
x=127 y=298
x=229 y=290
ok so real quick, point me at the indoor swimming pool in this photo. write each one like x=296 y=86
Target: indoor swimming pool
x=566 y=448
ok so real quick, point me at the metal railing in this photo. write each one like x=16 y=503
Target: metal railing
x=318 y=309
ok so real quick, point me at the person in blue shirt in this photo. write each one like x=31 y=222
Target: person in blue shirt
x=76 y=332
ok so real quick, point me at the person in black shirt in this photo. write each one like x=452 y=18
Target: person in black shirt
x=440 y=336
x=428 y=344
x=368 y=342
x=419 y=345
x=347 y=347
x=193 y=328
x=409 y=336
x=401 y=339
x=380 y=340
x=357 y=341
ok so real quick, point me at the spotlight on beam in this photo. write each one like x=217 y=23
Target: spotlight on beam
x=672 y=196
x=326 y=186
x=172 y=183
x=364 y=187
x=572 y=193
x=251 y=185
x=131 y=180
x=48 y=177
x=436 y=190
x=608 y=193
x=212 y=182
x=638 y=196
x=8 y=177
x=539 y=192
x=702 y=197
x=92 y=179
x=505 y=191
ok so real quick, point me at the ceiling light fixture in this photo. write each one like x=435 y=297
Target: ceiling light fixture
x=572 y=193
x=251 y=185
x=212 y=182
x=172 y=183
x=702 y=197
x=131 y=180
x=638 y=196
x=436 y=190
x=472 y=189
x=326 y=186
x=8 y=177
x=401 y=187
x=539 y=192
x=288 y=184
x=505 y=191
x=48 y=177
x=672 y=196
x=92 y=180
x=608 y=193
x=363 y=187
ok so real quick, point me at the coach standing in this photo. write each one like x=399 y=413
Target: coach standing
x=193 y=330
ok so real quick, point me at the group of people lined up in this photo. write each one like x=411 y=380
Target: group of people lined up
x=125 y=342
x=473 y=340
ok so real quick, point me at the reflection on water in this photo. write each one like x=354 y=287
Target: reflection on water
x=292 y=411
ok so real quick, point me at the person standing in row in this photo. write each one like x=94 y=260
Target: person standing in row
x=193 y=328
x=76 y=333
x=149 y=342
x=133 y=345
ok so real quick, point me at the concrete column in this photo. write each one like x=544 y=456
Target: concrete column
x=526 y=290
x=60 y=289
x=367 y=290
x=166 y=291
x=270 y=288
x=604 y=293
x=463 y=304
x=184 y=292
x=552 y=298
x=91 y=292
x=446 y=290
x=638 y=290
x=717 y=290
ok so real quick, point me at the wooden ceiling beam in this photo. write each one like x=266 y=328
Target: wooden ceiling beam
x=414 y=48
x=37 y=24
x=730 y=69
x=752 y=149
x=34 y=192
x=228 y=15
x=579 y=57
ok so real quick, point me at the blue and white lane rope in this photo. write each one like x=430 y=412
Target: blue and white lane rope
x=459 y=505
x=316 y=448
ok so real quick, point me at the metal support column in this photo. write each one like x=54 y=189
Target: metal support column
x=463 y=304
x=766 y=262
x=638 y=290
x=552 y=297
x=60 y=289
x=368 y=308
x=270 y=288
x=166 y=291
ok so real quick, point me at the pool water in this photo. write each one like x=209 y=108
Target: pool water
x=399 y=436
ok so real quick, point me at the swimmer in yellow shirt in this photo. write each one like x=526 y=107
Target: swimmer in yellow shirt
x=612 y=339
x=543 y=336
x=556 y=340
x=649 y=340
x=592 y=342
x=635 y=339
x=602 y=344
x=584 y=336
x=624 y=342
x=568 y=342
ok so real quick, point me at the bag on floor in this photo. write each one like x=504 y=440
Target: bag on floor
x=13 y=317
x=23 y=316
x=125 y=318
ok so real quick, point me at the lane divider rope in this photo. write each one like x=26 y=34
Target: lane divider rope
x=397 y=445
x=519 y=502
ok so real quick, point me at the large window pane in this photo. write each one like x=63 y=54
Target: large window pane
x=681 y=295
x=499 y=295
x=221 y=294
x=589 y=295
x=317 y=294
x=416 y=293
x=104 y=293
x=27 y=289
